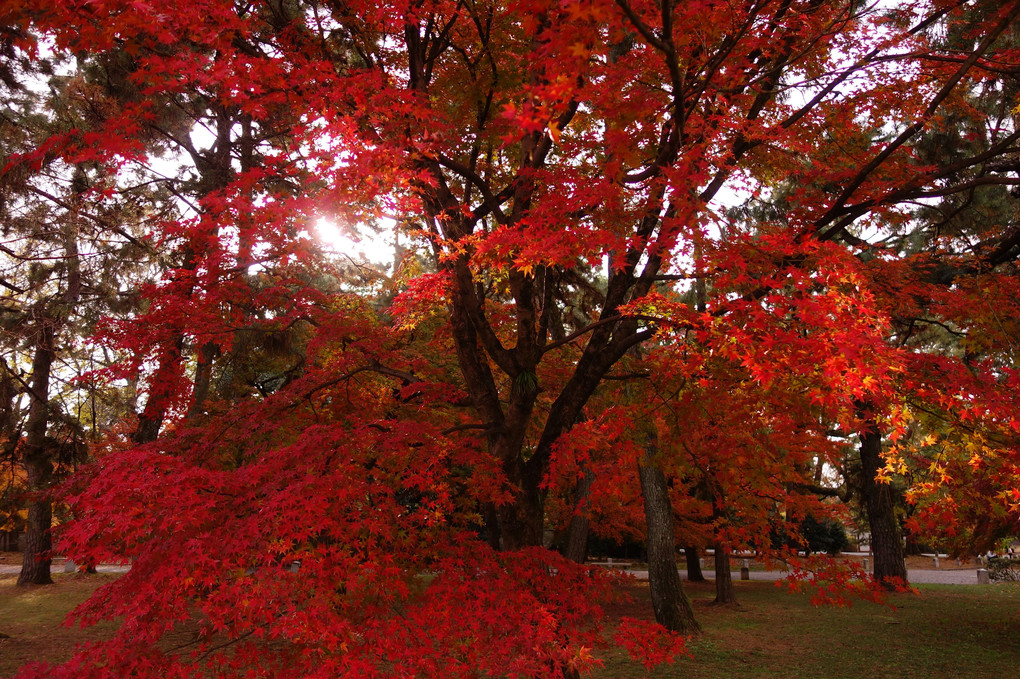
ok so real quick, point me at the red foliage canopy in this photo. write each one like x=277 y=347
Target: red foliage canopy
x=560 y=163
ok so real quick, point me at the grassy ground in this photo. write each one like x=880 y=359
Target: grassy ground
x=943 y=631
x=30 y=619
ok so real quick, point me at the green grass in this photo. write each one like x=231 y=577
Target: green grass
x=31 y=617
x=942 y=631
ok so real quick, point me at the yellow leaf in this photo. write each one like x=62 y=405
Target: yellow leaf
x=579 y=49
x=554 y=132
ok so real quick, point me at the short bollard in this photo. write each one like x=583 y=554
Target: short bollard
x=864 y=564
x=745 y=571
x=936 y=561
x=983 y=576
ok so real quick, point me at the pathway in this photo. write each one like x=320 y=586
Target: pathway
x=948 y=576
x=964 y=576
x=58 y=567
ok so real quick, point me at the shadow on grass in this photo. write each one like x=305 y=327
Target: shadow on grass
x=945 y=630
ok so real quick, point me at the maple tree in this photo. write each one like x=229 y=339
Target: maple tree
x=323 y=488
x=942 y=322
x=959 y=454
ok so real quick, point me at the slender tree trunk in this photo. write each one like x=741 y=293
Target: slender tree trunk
x=35 y=567
x=8 y=422
x=694 y=573
x=216 y=173
x=879 y=502
x=671 y=605
x=203 y=378
x=576 y=548
x=723 y=576
x=150 y=420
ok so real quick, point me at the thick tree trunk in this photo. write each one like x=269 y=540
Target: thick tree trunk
x=694 y=573
x=35 y=567
x=36 y=562
x=491 y=518
x=522 y=520
x=671 y=605
x=723 y=577
x=576 y=548
x=879 y=502
x=39 y=451
x=520 y=523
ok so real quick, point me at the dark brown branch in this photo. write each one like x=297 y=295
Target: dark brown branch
x=912 y=130
x=588 y=328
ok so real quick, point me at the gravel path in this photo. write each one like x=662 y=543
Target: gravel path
x=14 y=569
x=960 y=576
x=948 y=576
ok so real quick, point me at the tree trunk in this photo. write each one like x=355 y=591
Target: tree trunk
x=203 y=378
x=491 y=525
x=576 y=548
x=723 y=577
x=671 y=605
x=522 y=520
x=150 y=420
x=39 y=451
x=694 y=573
x=879 y=502
x=35 y=567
